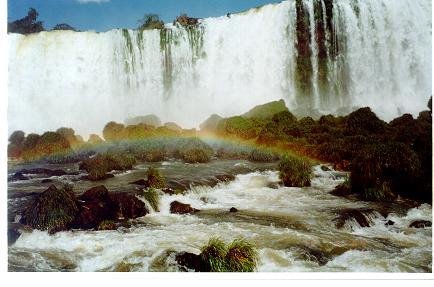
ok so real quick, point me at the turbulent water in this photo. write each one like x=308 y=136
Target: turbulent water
x=373 y=53
x=293 y=228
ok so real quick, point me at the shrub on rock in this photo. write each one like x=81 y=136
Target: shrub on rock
x=295 y=171
x=152 y=196
x=53 y=210
x=241 y=256
x=155 y=178
x=383 y=170
x=364 y=122
x=263 y=155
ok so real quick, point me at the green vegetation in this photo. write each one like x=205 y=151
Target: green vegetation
x=262 y=155
x=267 y=110
x=52 y=210
x=150 y=21
x=295 y=171
x=195 y=151
x=152 y=196
x=27 y=25
x=155 y=178
x=99 y=165
x=239 y=256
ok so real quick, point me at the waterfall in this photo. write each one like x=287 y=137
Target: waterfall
x=320 y=56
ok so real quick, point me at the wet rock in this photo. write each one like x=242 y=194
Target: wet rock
x=191 y=261
x=181 y=208
x=127 y=206
x=53 y=210
x=225 y=177
x=141 y=181
x=98 y=205
x=389 y=223
x=313 y=255
x=104 y=177
x=15 y=230
x=45 y=171
x=343 y=189
x=95 y=206
x=420 y=224
x=233 y=209
x=359 y=215
x=107 y=225
x=18 y=176
x=273 y=185
x=171 y=191
x=46 y=180
x=325 y=168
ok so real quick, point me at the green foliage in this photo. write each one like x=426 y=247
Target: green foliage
x=17 y=137
x=266 y=111
x=238 y=256
x=99 y=165
x=214 y=253
x=53 y=210
x=363 y=122
x=240 y=126
x=241 y=256
x=150 y=21
x=152 y=196
x=155 y=178
x=383 y=169
x=27 y=25
x=195 y=151
x=113 y=131
x=262 y=155
x=295 y=171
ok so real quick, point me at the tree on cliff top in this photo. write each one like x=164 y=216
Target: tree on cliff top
x=27 y=25
x=150 y=21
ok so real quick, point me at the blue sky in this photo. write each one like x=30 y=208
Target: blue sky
x=103 y=15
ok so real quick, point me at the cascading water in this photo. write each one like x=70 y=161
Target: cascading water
x=318 y=55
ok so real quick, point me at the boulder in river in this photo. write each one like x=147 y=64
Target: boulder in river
x=233 y=209
x=181 y=208
x=420 y=224
x=361 y=216
x=192 y=261
x=18 y=176
x=52 y=210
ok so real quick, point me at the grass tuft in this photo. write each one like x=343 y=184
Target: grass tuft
x=295 y=171
x=152 y=196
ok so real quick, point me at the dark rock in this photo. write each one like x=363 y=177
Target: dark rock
x=15 y=230
x=233 y=209
x=225 y=177
x=325 y=168
x=44 y=171
x=127 y=206
x=420 y=224
x=192 y=261
x=389 y=223
x=106 y=176
x=142 y=182
x=359 y=215
x=171 y=191
x=273 y=185
x=314 y=255
x=343 y=189
x=46 y=180
x=181 y=208
x=98 y=205
x=96 y=193
x=18 y=176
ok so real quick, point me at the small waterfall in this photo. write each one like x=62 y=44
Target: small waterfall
x=327 y=56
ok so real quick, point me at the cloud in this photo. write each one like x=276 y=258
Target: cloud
x=92 y=1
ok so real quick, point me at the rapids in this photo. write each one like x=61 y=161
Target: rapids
x=293 y=229
x=374 y=53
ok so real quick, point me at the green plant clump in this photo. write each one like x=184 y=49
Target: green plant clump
x=155 y=178
x=152 y=196
x=238 y=256
x=295 y=171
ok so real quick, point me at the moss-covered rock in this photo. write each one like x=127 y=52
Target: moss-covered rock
x=52 y=210
x=155 y=179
